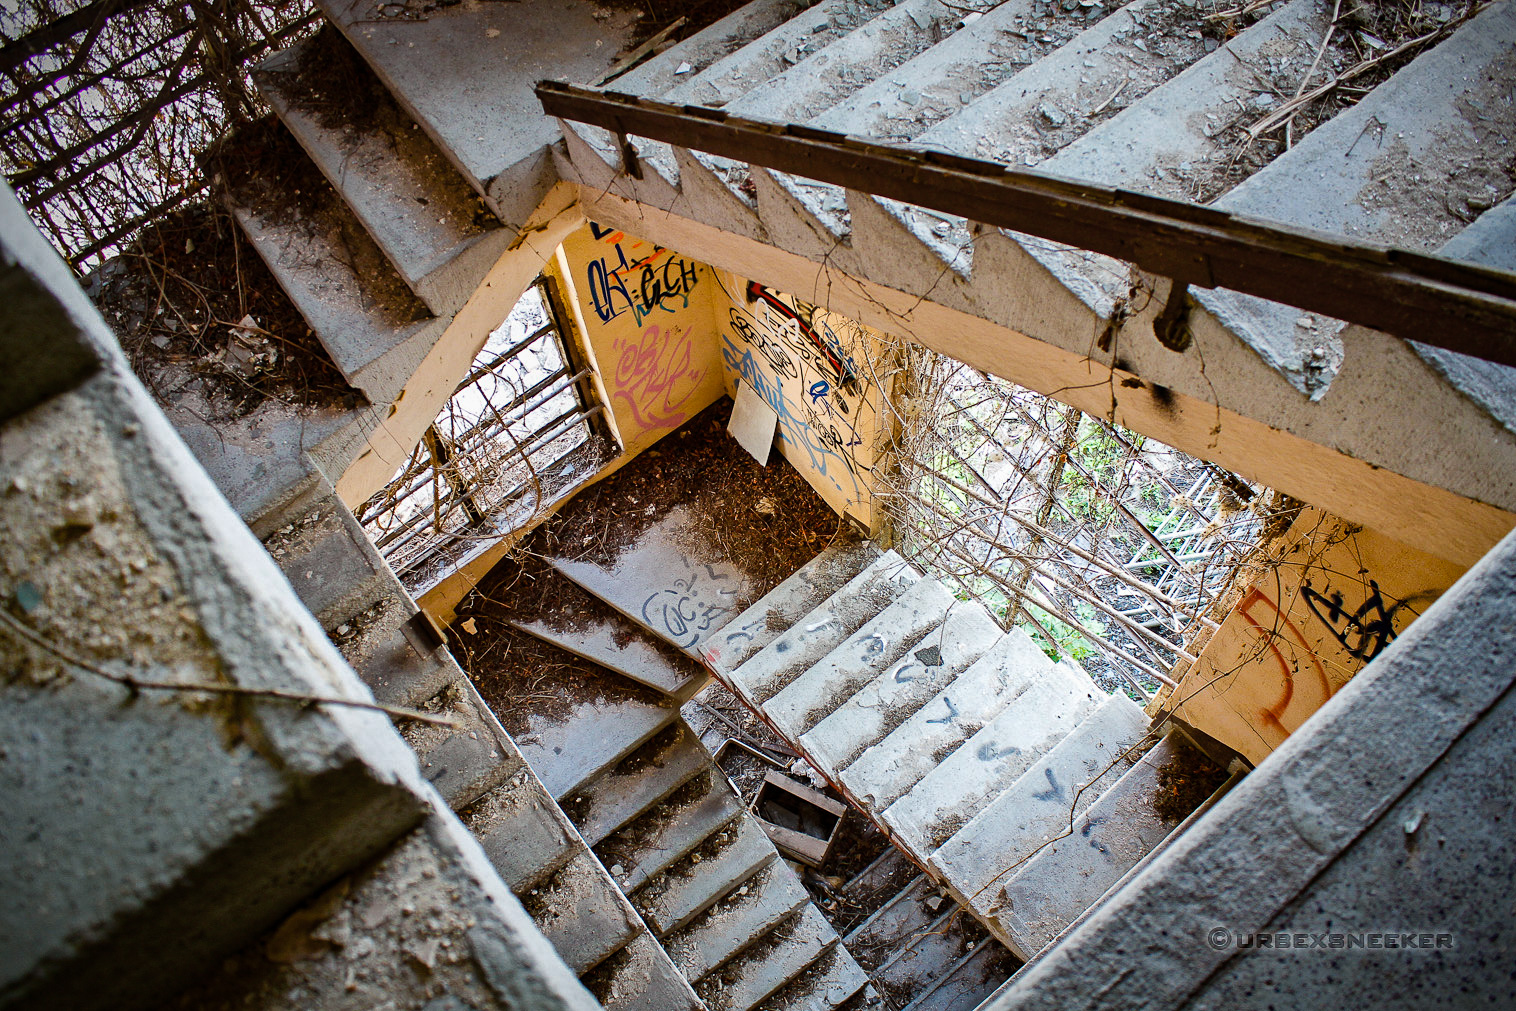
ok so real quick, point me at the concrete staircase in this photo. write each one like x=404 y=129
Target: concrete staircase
x=1145 y=97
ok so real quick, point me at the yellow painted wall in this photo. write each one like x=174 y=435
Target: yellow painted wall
x=1336 y=597
x=647 y=316
x=810 y=366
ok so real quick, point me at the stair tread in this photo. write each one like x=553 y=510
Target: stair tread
x=906 y=913
x=1068 y=875
x=971 y=980
x=988 y=762
x=930 y=955
x=662 y=835
x=464 y=71
x=881 y=705
x=619 y=645
x=640 y=977
x=373 y=327
x=879 y=642
x=785 y=604
x=643 y=778
x=525 y=835
x=466 y=761
x=714 y=42
x=582 y=913
x=330 y=562
x=1037 y=807
x=389 y=656
x=430 y=224
x=775 y=960
x=887 y=771
x=737 y=920
x=826 y=983
x=690 y=887
x=813 y=636
x=656 y=584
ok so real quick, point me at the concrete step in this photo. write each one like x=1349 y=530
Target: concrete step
x=464 y=71
x=688 y=58
x=909 y=912
x=569 y=746
x=332 y=566
x=618 y=644
x=431 y=225
x=895 y=695
x=429 y=916
x=389 y=645
x=522 y=831
x=640 y=977
x=930 y=955
x=878 y=644
x=786 y=603
x=812 y=637
x=663 y=834
x=684 y=891
x=871 y=887
x=741 y=918
x=887 y=770
x=1038 y=806
x=988 y=762
x=782 y=955
x=371 y=324
x=971 y=980
x=826 y=983
x=467 y=762
x=656 y=583
x=642 y=779
x=1069 y=875
x=582 y=913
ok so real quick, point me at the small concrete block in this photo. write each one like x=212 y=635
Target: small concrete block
x=697 y=882
x=663 y=834
x=580 y=910
x=885 y=772
x=825 y=984
x=640 y=977
x=1037 y=807
x=1068 y=875
x=622 y=646
x=894 y=696
x=428 y=927
x=882 y=640
x=743 y=916
x=787 y=603
x=641 y=780
x=330 y=562
x=769 y=964
x=655 y=582
x=522 y=831
x=988 y=763
x=465 y=763
x=814 y=636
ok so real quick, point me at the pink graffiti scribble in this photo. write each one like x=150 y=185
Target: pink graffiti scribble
x=650 y=372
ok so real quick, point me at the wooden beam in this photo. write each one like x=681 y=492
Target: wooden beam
x=1454 y=305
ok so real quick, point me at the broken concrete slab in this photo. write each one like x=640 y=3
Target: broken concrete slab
x=430 y=224
x=659 y=767
x=640 y=977
x=582 y=913
x=1069 y=874
x=784 y=954
x=785 y=604
x=658 y=584
x=887 y=771
x=987 y=763
x=881 y=641
x=892 y=698
x=523 y=832
x=742 y=917
x=697 y=882
x=1061 y=784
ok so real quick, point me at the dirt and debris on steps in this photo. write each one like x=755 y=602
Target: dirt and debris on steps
x=1185 y=781
x=191 y=294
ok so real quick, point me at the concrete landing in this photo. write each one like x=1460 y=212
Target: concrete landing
x=666 y=586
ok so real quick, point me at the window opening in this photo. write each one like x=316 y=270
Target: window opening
x=518 y=429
